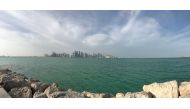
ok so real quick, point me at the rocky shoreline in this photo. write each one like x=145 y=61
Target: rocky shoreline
x=19 y=86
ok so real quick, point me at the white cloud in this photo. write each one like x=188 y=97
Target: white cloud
x=132 y=19
x=36 y=33
x=96 y=39
x=142 y=31
x=45 y=33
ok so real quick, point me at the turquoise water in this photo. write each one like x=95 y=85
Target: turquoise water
x=100 y=75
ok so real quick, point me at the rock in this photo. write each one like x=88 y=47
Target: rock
x=12 y=80
x=138 y=95
x=163 y=90
x=119 y=95
x=38 y=86
x=73 y=94
x=23 y=92
x=184 y=88
x=106 y=95
x=58 y=94
x=14 y=83
x=89 y=94
x=51 y=89
x=1 y=73
x=93 y=95
x=4 y=77
x=39 y=95
x=5 y=71
x=185 y=96
x=3 y=93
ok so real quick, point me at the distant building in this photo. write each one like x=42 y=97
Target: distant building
x=78 y=54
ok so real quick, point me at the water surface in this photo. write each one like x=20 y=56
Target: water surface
x=100 y=75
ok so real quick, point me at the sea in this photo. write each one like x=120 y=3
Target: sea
x=100 y=75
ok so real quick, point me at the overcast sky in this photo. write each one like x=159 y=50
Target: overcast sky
x=119 y=33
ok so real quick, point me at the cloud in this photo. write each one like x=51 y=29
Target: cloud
x=140 y=31
x=97 y=39
x=134 y=33
x=129 y=24
x=129 y=34
x=44 y=33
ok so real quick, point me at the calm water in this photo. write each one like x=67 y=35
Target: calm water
x=100 y=75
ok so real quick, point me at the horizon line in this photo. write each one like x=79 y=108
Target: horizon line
x=117 y=57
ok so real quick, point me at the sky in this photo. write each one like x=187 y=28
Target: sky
x=126 y=34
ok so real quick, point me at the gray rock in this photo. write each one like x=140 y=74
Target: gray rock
x=51 y=89
x=3 y=93
x=4 y=77
x=38 y=86
x=138 y=95
x=14 y=83
x=39 y=95
x=22 y=92
x=163 y=90
x=9 y=81
x=96 y=95
x=73 y=94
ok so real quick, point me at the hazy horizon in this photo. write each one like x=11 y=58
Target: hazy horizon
x=126 y=34
x=116 y=57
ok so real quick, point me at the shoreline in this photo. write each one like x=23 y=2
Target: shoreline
x=19 y=86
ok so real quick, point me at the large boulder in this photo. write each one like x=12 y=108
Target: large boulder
x=39 y=95
x=51 y=89
x=14 y=83
x=38 y=86
x=119 y=95
x=10 y=81
x=163 y=90
x=138 y=95
x=184 y=88
x=22 y=92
